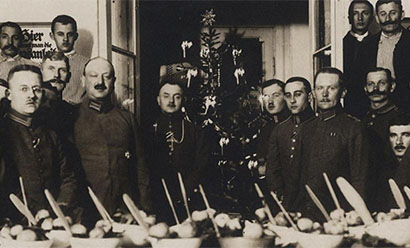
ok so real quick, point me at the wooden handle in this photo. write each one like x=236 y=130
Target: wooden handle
x=208 y=209
x=332 y=192
x=398 y=196
x=184 y=196
x=22 y=208
x=171 y=204
x=265 y=205
x=284 y=211
x=57 y=211
x=317 y=203
x=100 y=208
x=135 y=212
x=407 y=191
x=23 y=193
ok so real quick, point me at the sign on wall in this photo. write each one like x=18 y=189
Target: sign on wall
x=36 y=42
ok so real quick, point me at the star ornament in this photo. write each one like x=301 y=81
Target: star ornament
x=208 y=18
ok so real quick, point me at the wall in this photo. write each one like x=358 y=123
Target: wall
x=286 y=49
x=89 y=14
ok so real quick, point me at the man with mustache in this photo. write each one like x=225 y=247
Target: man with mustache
x=282 y=168
x=390 y=49
x=360 y=18
x=10 y=41
x=176 y=145
x=379 y=87
x=64 y=33
x=332 y=143
x=397 y=168
x=109 y=145
x=274 y=112
x=34 y=151
x=56 y=74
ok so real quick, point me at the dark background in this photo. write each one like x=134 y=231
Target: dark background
x=165 y=24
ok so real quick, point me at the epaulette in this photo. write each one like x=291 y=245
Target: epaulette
x=286 y=120
x=353 y=117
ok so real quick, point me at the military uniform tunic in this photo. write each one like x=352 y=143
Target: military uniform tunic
x=333 y=142
x=35 y=153
x=282 y=168
x=111 y=154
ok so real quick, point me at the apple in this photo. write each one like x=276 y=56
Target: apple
x=221 y=219
x=234 y=224
x=5 y=232
x=260 y=214
x=104 y=224
x=97 y=233
x=316 y=226
x=27 y=235
x=150 y=220
x=15 y=230
x=199 y=215
x=78 y=229
x=333 y=227
x=57 y=222
x=337 y=214
x=252 y=230
x=47 y=224
x=353 y=219
x=159 y=230
x=305 y=224
x=186 y=230
x=383 y=217
x=42 y=214
x=280 y=219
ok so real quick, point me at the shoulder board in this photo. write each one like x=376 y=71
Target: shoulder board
x=353 y=117
x=284 y=121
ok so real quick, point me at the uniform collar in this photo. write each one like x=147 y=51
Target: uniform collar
x=99 y=106
x=303 y=116
x=177 y=116
x=383 y=110
x=359 y=37
x=70 y=53
x=19 y=118
x=279 y=117
x=330 y=113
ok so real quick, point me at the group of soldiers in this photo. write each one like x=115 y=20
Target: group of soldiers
x=61 y=130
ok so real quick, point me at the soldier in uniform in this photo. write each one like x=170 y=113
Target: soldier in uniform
x=333 y=142
x=109 y=146
x=275 y=112
x=282 y=168
x=379 y=87
x=176 y=145
x=34 y=151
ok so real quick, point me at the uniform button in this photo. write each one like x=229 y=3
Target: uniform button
x=293 y=140
x=170 y=153
x=291 y=156
x=296 y=125
x=371 y=123
x=373 y=116
x=293 y=148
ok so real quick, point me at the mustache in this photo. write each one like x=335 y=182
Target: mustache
x=171 y=105
x=389 y=23
x=378 y=92
x=399 y=147
x=9 y=47
x=100 y=87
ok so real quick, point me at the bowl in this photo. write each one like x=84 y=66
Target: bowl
x=133 y=235
x=314 y=240
x=60 y=238
x=94 y=243
x=286 y=235
x=241 y=242
x=11 y=243
x=176 y=243
x=395 y=231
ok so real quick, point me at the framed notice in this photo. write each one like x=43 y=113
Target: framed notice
x=36 y=41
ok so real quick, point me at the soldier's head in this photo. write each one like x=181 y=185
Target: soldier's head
x=10 y=39
x=360 y=15
x=273 y=96
x=399 y=134
x=328 y=88
x=3 y=88
x=98 y=78
x=64 y=32
x=25 y=89
x=170 y=96
x=297 y=94
x=56 y=70
x=379 y=85
x=389 y=14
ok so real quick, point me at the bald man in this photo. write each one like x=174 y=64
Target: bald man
x=106 y=137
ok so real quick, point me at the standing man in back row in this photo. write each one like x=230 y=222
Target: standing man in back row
x=64 y=33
